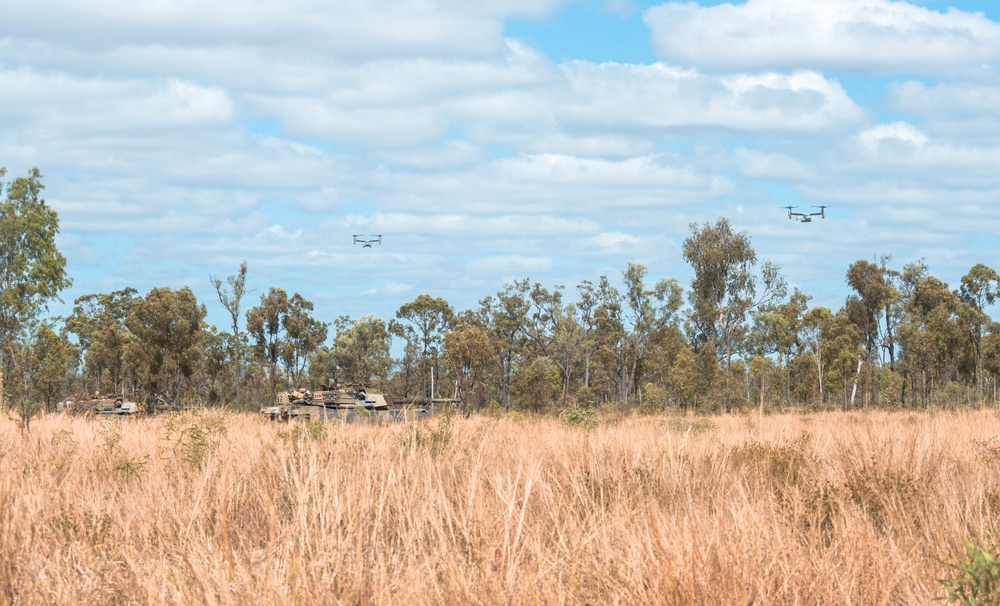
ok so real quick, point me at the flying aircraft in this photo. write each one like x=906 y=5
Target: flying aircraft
x=366 y=240
x=806 y=217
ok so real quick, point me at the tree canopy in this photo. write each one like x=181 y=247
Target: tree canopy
x=32 y=270
x=733 y=338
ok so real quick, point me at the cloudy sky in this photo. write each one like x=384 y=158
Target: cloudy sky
x=499 y=139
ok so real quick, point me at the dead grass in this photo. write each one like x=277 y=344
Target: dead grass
x=225 y=509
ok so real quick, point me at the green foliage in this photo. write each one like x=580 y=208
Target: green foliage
x=654 y=399
x=536 y=386
x=890 y=385
x=127 y=468
x=230 y=296
x=695 y=425
x=361 y=349
x=726 y=286
x=32 y=270
x=426 y=322
x=880 y=490
x=432 y=438
x=196 y=436
x=168 y=326
x=304 y=431
x=98 y=322
x=469 y=353
x=580 y=416
x=786 y=464
x=52 y=357
x=25 y=410
x=131 y=468
x=978 y=580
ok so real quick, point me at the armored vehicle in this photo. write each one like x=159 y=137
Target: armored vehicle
x=100 y=405
x=117 y=405
x=347 y=405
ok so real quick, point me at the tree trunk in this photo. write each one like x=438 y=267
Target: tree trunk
x=857 y=374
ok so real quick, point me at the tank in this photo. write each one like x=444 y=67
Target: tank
x=117 y=405
x=343 y=404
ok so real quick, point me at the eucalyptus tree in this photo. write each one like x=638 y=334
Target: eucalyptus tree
x=469 y=351
x=608 y=359
x=98 y=322
x=265 y=325
x=505 y=317
x=230 y=296
x=646 y=311
x=911 y=275
x=304 y=334
x=212 y=378
x=322 y=369
x=427 y=320
x=875 y=294
x=980 y=288
x=169 y=330
x=545 y=311
x=933 y=333
x=283 y=330
x=569 y=340
x=726 y=287
x=554 y=332
x=844 y=344
x=32 y=270
x=991 y=355
x=777 y=330
x=815 y=333
x=586 y=306
x=361 y=349
x=408 y=373
x=54 y=358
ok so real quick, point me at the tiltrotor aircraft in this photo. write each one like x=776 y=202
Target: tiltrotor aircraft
x=366 y=240
x=806 y=217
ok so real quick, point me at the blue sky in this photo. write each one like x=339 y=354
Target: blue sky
x=499 y=140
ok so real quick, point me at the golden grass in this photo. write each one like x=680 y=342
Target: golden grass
x=226 y=509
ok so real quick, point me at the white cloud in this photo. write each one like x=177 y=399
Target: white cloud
x=55 y=101
x=952 y=99
x=759 y=164
x=960 y=111
x=179 y=138
x=349 y=30
x=893 y=133
x=614 y=242
x=865 y=35
x=396 y=288
x=664 y=97
x=518 y=266
x=277 y=233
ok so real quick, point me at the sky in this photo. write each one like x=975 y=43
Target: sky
x=498 y=140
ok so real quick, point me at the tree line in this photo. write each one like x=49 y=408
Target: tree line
x=735 y=337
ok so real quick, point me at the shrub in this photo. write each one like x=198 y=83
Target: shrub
x=978 y=582
x=580 y=416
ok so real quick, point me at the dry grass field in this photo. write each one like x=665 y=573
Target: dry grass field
x=829 y=508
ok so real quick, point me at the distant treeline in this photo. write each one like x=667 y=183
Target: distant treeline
x=733 y=338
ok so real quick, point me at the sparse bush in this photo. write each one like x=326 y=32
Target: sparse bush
x=579 y=416
x=786 y=463
x=303 y=430
x=978 y=583
x=434 y=438
x=695 y=425
x=195 y=436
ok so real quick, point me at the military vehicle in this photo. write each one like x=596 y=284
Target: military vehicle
x=116 y=405
x=347 y=405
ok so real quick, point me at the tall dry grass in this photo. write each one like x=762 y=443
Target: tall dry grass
x=227 y=509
